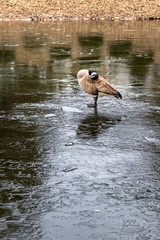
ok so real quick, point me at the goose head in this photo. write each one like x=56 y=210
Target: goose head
x=84 y=72
x=94 y=74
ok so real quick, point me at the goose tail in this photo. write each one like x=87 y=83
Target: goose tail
x=117 y=95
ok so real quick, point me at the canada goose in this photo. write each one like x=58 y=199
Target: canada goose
x=95 y=85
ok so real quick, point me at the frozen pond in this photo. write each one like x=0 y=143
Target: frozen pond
x=69 y=172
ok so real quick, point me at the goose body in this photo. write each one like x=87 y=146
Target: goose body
x=95 y=85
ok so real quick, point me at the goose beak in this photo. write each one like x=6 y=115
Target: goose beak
x=118 y=95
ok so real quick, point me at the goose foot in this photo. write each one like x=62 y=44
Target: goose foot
x=92 y=105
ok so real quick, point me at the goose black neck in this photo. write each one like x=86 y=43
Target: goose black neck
x=91 y=71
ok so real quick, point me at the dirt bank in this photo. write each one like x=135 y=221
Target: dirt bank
x=80 y=9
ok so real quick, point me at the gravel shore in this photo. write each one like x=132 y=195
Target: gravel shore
x=80 y=10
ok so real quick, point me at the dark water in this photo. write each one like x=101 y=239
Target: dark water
x=69 y=172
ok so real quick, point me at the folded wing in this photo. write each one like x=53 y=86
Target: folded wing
x=98 y=86
x=104 y=87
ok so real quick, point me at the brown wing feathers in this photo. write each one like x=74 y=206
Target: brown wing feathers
x=94 y=84
x=99 y=85
x=104 y=87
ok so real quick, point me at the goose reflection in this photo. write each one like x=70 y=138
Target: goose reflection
x=94 y=123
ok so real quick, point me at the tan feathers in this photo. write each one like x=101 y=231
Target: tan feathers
x=94 y=87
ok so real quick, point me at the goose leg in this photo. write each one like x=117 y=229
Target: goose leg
x=94 y=104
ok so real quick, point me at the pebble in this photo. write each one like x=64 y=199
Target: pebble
x=69 y=144
x=97 y=210
x=80 y=10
